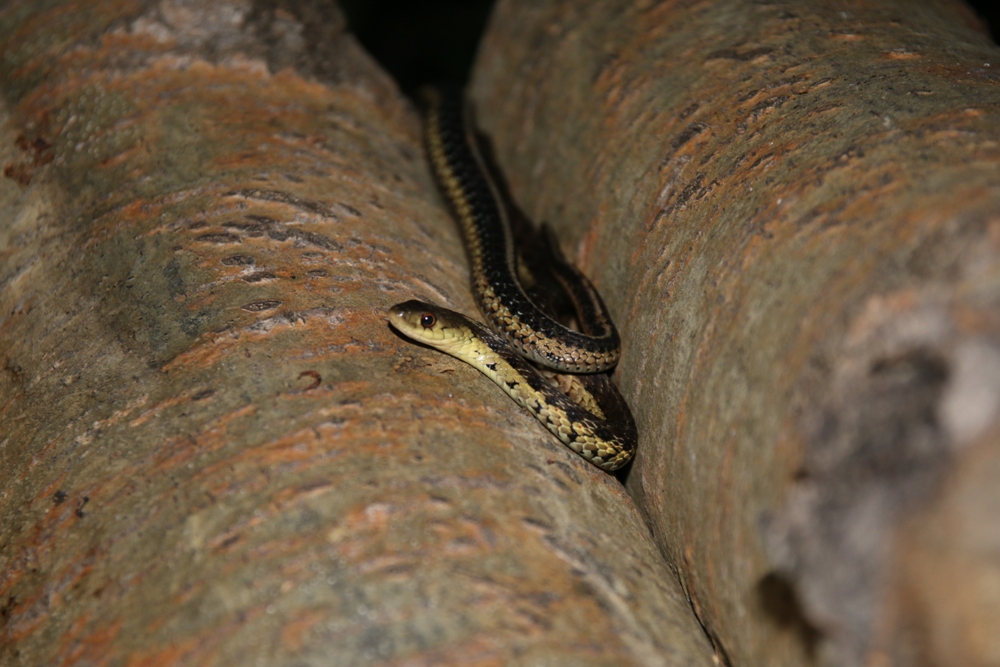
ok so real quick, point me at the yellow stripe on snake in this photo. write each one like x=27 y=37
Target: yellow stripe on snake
x=604 y=434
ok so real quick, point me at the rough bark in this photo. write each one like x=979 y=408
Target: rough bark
x=213 y=450
x=794 y=212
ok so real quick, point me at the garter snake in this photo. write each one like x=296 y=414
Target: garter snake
x=461 y=175
x=597 y=424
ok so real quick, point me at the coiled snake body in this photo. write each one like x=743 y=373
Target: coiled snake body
x=604 y=433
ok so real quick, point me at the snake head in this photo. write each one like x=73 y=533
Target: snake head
x=425 y=322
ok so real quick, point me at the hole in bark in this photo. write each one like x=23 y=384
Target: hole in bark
x=918 y=366
x=781 y=605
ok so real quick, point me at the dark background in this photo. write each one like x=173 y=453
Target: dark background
x=431 y=41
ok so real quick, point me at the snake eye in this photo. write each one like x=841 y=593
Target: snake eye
x=427 y=320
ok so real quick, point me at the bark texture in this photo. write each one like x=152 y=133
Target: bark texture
x=793 y=210
x=213 y=449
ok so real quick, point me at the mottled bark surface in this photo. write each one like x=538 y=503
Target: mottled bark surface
x=213 y=450
x=793 y=210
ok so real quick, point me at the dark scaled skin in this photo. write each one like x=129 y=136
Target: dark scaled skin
x=461 y=175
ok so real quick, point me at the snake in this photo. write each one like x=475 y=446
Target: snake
x=585 y=411
x=462 y=176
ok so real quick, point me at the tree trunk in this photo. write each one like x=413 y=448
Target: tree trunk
x=213 y=449
x=793 y=210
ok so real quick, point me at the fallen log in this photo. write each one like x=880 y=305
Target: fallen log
x=794 y=212
x=213 y=449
